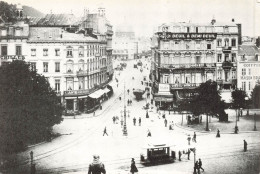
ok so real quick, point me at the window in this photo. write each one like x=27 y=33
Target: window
x=249 y=71
x=208 y=46
x=226 y=42
x=69 y=52
x=57 y=52
x=4 y=32
x=81 y=51
x=188 y=29
x=165 y=79
x=18 y=32
x=69 y=84
x=243 y=71
x=233 y=74
x=81 y=65
x=243 y=86
x=4 y=50
x=81 y=83
x=197 y=45
x=18 y=50
x=69 y=66
x=256 y=57
x=33 y=52
x=219 y=57
x=219 y=42
x=57 y=85
x=57 y=66
x=233 y=42
x=187 y=46
x=197 y=29
x=249 y=85
x=219 y=74
x=226 y=57
x=226 y=29
x=45 y=66
x=33 y=66
x=233 y=57
x=45 y=52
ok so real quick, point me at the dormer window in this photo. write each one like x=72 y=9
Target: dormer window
x=17 y=32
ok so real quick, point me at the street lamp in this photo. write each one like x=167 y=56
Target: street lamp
x=236 y=127
x=194 y=152
x=124 y=128
x=255 y=122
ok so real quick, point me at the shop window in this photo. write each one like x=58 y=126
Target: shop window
x=33 y=52
x=4 y=50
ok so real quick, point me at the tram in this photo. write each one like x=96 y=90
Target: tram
x=157 y=154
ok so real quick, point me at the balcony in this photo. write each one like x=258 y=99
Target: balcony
x=82 y=73
x=227 y=65
x=190 y=65
x=184 y=85
x=226 y=49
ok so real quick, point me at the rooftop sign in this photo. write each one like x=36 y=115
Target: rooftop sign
x=176 y=36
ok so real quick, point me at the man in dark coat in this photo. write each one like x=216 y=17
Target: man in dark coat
x=188 y=153
x=179 y=155
x=133 y=166
x=105 y=131
x=194 y=137
x=165 y=122
x=96 y=167
x=245 y=146
x=134 y=120
x=200 y=165
x=140 y=121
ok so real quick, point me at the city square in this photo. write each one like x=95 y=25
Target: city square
x=129 y=101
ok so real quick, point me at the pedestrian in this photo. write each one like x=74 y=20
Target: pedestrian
x=133 y=166
x=134 y=120
x=105 y=131
x=94 y=114
x=179 y=155
x=165 y=122
x=189 y=138
x=188 y=153
x=197 y=167
x=218 y=133
x=245 y=146
x=200 y=165
x=163 y=116
x=96 y=167
x=194 y=137
x=128 y=102
x=149 y=134
x=119 y=98
x=114 y=119
x=117 y=84
x=140 y=121
x=128 y=91
x=147 y=115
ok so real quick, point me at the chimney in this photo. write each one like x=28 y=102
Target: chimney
x=233 y=20
x=213 y=21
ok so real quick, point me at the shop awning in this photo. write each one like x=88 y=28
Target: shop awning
x=97 y=93
x=163 y=96
x=106 y=90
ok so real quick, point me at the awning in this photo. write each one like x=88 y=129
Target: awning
x=68 y=98
x=97 y=93
x=163 y=96
x=106 y=90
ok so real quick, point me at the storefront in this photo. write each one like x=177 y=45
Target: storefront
x=163 y=100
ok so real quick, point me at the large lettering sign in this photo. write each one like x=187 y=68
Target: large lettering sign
x=177 y=36
x=164 y=87
x=254 y=67
x=13 y=57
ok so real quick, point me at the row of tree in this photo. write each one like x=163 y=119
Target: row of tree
x=207 y=101
x=29 y=107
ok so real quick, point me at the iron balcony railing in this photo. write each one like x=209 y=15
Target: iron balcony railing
x=189 y=65
x=185 y=85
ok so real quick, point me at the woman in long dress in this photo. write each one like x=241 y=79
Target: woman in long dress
x=133 y=167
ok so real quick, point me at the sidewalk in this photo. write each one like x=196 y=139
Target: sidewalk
x=245 y=124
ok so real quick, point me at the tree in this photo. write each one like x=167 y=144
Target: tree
x=255 y=97
x=208 y=102
x=8 y=11
x=29 y=107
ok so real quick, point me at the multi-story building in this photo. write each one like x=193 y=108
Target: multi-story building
x=125 y=47
x=188 y=54
x=248 y=68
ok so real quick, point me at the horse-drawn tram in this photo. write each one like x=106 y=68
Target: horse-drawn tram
x=157 y=154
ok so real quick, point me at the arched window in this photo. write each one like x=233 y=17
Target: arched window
x=81 y=65
x=69 y=66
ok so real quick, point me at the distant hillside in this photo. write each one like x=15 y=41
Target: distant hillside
x=31 y=12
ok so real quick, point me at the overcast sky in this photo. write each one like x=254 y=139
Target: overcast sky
x=142 y=16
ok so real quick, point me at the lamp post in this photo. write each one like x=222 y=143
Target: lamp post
x=255 y=122
x=236 y=127
x=124 y=128
x=194 y=167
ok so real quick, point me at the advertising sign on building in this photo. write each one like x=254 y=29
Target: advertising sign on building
x=174 y=36
x=164 y=87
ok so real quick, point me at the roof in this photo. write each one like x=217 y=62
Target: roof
x=53 y=34
x=248 y=50
x=58 y=19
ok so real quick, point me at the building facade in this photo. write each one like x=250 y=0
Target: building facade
x=184 y=55
x=248 y=68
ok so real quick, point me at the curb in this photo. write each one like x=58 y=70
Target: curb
x=209 y=132
x=37 y=144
